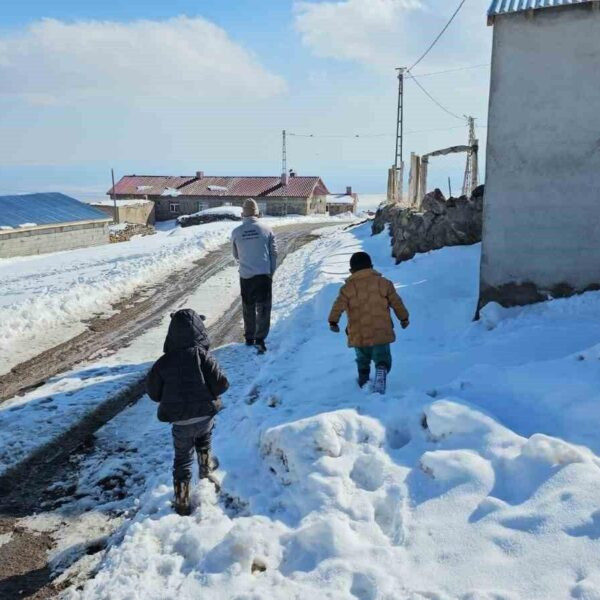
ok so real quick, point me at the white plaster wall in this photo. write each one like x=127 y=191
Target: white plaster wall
x=542 y=196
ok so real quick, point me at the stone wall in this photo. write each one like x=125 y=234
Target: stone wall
x=441 y=222
x=25 y=242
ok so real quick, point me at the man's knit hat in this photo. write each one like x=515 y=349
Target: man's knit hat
x=250 y=208
x=360 y=261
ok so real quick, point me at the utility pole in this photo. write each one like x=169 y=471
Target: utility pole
x=114 y=196
x=284 y=172
x=396 y=175
x=471 y=179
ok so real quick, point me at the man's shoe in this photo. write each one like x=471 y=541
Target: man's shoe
x=380 y=380
x=182 y=498
x=260 y=346
x=363 y=376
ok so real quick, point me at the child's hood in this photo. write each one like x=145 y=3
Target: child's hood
x=186 y=330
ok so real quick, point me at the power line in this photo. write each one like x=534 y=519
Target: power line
x=441 y=33
x=451 y=70
x=446 y=110
x=371 y=135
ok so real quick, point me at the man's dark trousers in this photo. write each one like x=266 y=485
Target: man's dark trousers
x=256 y=304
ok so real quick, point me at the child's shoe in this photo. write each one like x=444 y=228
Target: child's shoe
x=207 y=463
x=363 y=377
x=380 y=379
x=182 y=498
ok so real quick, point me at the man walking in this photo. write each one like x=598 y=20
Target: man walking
x=254 y=246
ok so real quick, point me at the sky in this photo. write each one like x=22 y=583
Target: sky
x=155 y=87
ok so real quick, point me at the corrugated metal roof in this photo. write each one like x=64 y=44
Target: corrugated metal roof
x=500 y=7
x=45 y=209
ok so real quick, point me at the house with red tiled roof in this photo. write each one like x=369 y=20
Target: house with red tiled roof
x=175 y=196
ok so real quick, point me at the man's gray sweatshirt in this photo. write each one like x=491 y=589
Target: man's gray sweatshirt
x=255 y=248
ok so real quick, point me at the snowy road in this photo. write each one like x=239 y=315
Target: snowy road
x=474 y=478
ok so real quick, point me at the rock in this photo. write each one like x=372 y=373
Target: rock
x=441 y=222
x=434 y=202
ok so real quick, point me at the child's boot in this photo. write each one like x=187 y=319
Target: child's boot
x=182 y=498
x=363 y=376
x=380 y=379
x=207 y=463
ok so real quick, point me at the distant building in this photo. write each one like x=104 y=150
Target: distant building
x=175 y=196
x=541 y=227
x=338 y=204
x=135 y=211
x=41 y=223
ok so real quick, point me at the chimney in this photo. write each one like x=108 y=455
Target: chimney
x=292 y=173
x=284 y=179
x=348 y=190
x=199 y=174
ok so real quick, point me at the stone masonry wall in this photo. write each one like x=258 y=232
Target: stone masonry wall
x=451 y=222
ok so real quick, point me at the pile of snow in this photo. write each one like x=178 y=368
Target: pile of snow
x=235 y=211
x=45 y=299
x=5 y=227
x=475 y=477
x=25 y=225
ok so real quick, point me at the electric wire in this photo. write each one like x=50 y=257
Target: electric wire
x=441 y=33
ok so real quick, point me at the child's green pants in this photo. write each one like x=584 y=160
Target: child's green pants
x=380 y=355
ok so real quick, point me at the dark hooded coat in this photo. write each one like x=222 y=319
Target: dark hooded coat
x=186 y=381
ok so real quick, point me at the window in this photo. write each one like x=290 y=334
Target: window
x=174 y=207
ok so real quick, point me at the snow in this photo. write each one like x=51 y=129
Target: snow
x=5 y=227
x=474 y=477
x=46 y=299
x=234 y=211
x=123 y=202
x=217 y=188
x=171 y=192
x=27 y=225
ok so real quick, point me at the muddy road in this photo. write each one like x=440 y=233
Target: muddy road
x=40 y=507
x=134 y=315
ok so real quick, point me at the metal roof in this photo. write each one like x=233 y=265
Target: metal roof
x=45 y=209
x=500 y=7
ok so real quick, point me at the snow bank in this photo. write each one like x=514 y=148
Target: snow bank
x=45 y=300
x=456 y=484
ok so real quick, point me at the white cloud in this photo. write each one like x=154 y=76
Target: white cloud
x=390 y=33
x=53 y=61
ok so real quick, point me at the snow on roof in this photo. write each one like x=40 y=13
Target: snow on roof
x=127 y=202
x=171 y=192
x=45 y=209
x=217 y=188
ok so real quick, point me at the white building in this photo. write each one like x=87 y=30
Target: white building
x=541 y=231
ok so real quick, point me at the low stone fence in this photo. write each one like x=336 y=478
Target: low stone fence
x=440 y=223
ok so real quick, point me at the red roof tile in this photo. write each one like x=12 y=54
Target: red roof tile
x=254 y=186
x=150 y=185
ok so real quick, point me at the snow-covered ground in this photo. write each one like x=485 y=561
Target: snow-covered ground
x=475 y=477
x=44 y=300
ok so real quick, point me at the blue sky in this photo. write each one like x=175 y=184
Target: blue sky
x=174 y=87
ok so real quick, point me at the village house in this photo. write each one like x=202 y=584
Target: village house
x=175 y=196
x=542 y=196
x=338 y=204
x=41 y=223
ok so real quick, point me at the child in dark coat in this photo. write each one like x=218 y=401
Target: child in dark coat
x=187 y=382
